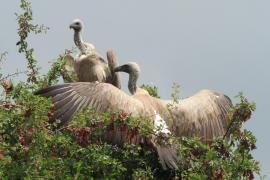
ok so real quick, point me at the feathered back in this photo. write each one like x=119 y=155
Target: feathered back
x=91 y=67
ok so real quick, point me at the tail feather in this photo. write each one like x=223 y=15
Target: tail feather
x=113 y=63
x=167 y=154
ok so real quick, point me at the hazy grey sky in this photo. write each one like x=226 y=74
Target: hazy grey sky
x=219 y=45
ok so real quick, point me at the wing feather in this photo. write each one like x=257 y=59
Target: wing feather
x=49 y=89
x=203 y=115
x=103 y=97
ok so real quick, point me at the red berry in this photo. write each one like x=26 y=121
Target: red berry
x=246 y=116
x=24 y=141
x=2 y=154
x=123 y=115
x=27 y=113
x=123 y=127
x=219 y=174
x=94 y=141
x=50 y=114
x=84 y=141
x=80 y=132
x=97 y=124
x=252 y=146
x=237 y=112
x=110 y=127
x=141 y=141
x=6 y=105
x=249 y=174
x=88 y=130
x=30 y=132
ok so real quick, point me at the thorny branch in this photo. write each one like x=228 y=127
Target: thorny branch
x=12 y=75
x=25 y=28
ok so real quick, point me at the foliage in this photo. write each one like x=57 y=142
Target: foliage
x=57 y=70
x=175 y=92
x=31 y=147
x=227 y=157
x=152 y=90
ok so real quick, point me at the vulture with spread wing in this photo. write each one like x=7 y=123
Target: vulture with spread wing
x=89 y=65
x=203 y=114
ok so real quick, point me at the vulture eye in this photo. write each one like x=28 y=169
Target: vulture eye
x=77 y=23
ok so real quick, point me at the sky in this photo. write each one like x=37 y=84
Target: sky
x=218 y=45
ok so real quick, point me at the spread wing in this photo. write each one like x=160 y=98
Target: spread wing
x=103 y=97
x=203 y=115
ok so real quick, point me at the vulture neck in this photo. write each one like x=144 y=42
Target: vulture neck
x=79 y=42
x=132 y=82
x=133 y=71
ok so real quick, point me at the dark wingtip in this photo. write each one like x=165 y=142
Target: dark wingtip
x=167 y=154
x=39 y=92
x=168 y=157
x=229 y=99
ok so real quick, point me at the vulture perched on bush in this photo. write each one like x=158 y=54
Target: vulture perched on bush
x=89 y=65
x=203 y=114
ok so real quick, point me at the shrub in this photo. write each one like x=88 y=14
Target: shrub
x=31 y=148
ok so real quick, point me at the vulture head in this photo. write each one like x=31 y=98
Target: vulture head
x=133 y=69
x=84 y=47
x=76 y=24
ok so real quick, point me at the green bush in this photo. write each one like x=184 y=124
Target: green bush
x=31 y=148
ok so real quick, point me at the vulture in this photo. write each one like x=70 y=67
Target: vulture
x=203 y=114
x=89 y=65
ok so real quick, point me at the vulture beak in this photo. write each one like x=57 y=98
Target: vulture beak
x=70 y=26
x=123 y=68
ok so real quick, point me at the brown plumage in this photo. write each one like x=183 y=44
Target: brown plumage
x=104 y=97
x=203 y=114
x=89 y=65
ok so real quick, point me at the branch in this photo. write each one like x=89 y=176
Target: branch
x=25 y=28
x=12 y=75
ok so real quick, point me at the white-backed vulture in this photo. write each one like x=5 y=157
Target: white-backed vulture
x=104 y=97
x=89 y=65
x=203 y=114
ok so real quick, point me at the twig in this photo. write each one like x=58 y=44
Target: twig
x=14 y=74
x=228 y=129
x=3 y=55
